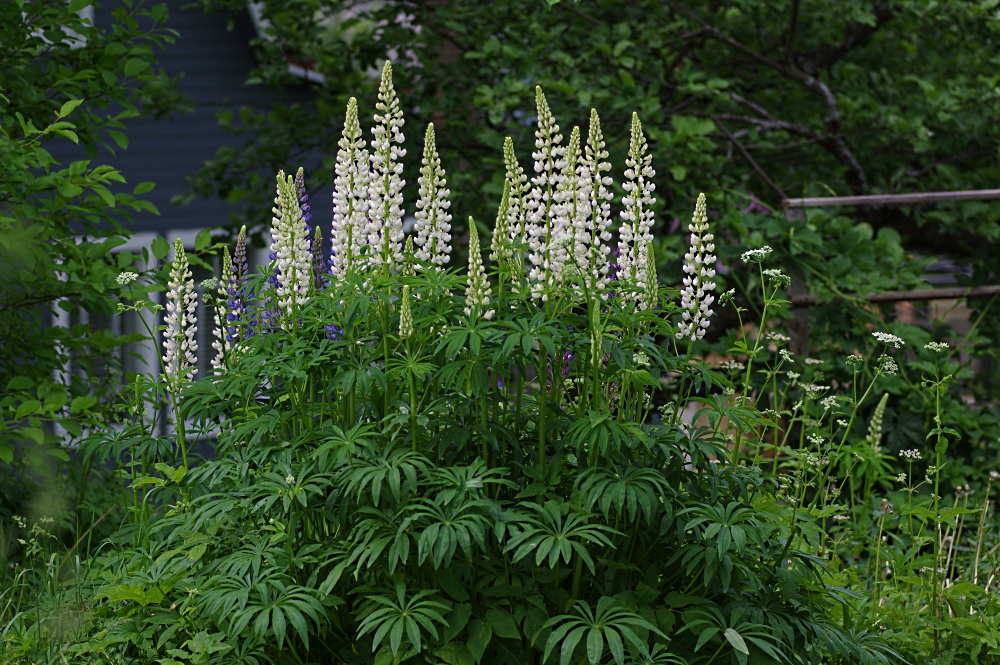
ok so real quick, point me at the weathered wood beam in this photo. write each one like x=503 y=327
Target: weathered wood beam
x=918 y=294
x=892 y=199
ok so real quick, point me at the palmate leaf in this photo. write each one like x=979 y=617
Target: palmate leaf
x=624 y=491
x=550 y=534
x=447 y=527
x=395 y=470
x=609 y=624
x=401 y=617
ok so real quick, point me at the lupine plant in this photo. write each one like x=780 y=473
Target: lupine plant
x=523 y=461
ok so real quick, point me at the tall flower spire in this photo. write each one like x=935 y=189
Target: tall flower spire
x=385 y=226
x=518 y=198
x=545 y=236
x=433 y=219
x=320 y=268
x=290 y=246
x=405 y=314
x=637 y=218
x=574 y=211
x=241 y=321
x=477 y=289
x=699 y=262
x=350 y=198
x=303 y=195
x=179 y=344
x=595 y=165
x=501 y=249
x=222 y=344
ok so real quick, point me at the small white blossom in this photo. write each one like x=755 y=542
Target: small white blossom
x=756 y=255
x=841 y=422
x=888 y=339
x=179 y=342
x=936 y=346
x=887 y=365
x=350 y=197
x=289 y=479
x=901 y=478
x=813 y=361
x=910 y=455
x=778 y=278
x=222 y=345
x=777 y=337
x=518 y=198
x=735 y=365
x=699 y=262
x=501 y=247
x=433 y=225
x=829 y=403
x=126 y=278
x=786 y=355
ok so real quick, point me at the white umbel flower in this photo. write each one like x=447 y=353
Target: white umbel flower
x=179 y=345
x=477 y=288
x=634 y=234
x=222 y=345
x=433 y=225
x=350 y=198
x=594 y=167
x=290 y=245
x=699 y=268
x=546 y=235
x=385 y=214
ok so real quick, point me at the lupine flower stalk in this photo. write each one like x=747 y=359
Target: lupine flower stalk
x=385 y=225
x=546 y=238
x=290 y=246
x=303 y=196
x=595 y=165
x=238 y=316
x=350 y=198
x=477 y=289
x=574 y=210
x=875 y=426
x=405 y=315
x=699 y=268
x=637 y=218
x=518 y=198
x=501 y=249
x=222 y=344
x=433 y=225
x=652 y=294
x=320 y=268
x=179 y=344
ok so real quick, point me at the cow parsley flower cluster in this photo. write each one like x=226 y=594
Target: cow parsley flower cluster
x=350 y=197
x=433 y=225
x=634 y=235
x=756 y=255
x=179 y=343
x=290 y=246
x=889 y=339
x=699 y=262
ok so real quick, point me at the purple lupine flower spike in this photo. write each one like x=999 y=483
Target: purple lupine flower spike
x=319 y=265
x=300 y=190
x=241 y=269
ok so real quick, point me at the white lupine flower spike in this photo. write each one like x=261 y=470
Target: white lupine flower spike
x=433 y=225
x=574 y=212
x=545 y=237
x=222 y=345
x=699 y=269
x=596 y=166
x=501 y=248
x=350 y=198
x=405 y=315
x=290 y=245
x=518 y=199
x=385 y=226
x=637 y=218
x=179 y=344
x=477 y=289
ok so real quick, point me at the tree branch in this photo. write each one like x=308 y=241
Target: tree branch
x=746 y=155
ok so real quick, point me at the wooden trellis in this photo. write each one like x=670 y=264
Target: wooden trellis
x=794 y=210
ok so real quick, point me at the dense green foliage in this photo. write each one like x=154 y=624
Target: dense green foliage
x=63 y=81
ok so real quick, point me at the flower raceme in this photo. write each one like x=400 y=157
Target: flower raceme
x=385 y=195
x=433 y=225
x=350 y=197
x=290 y=246
x=637 y=218
x=699 y=262
x=179 y=344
